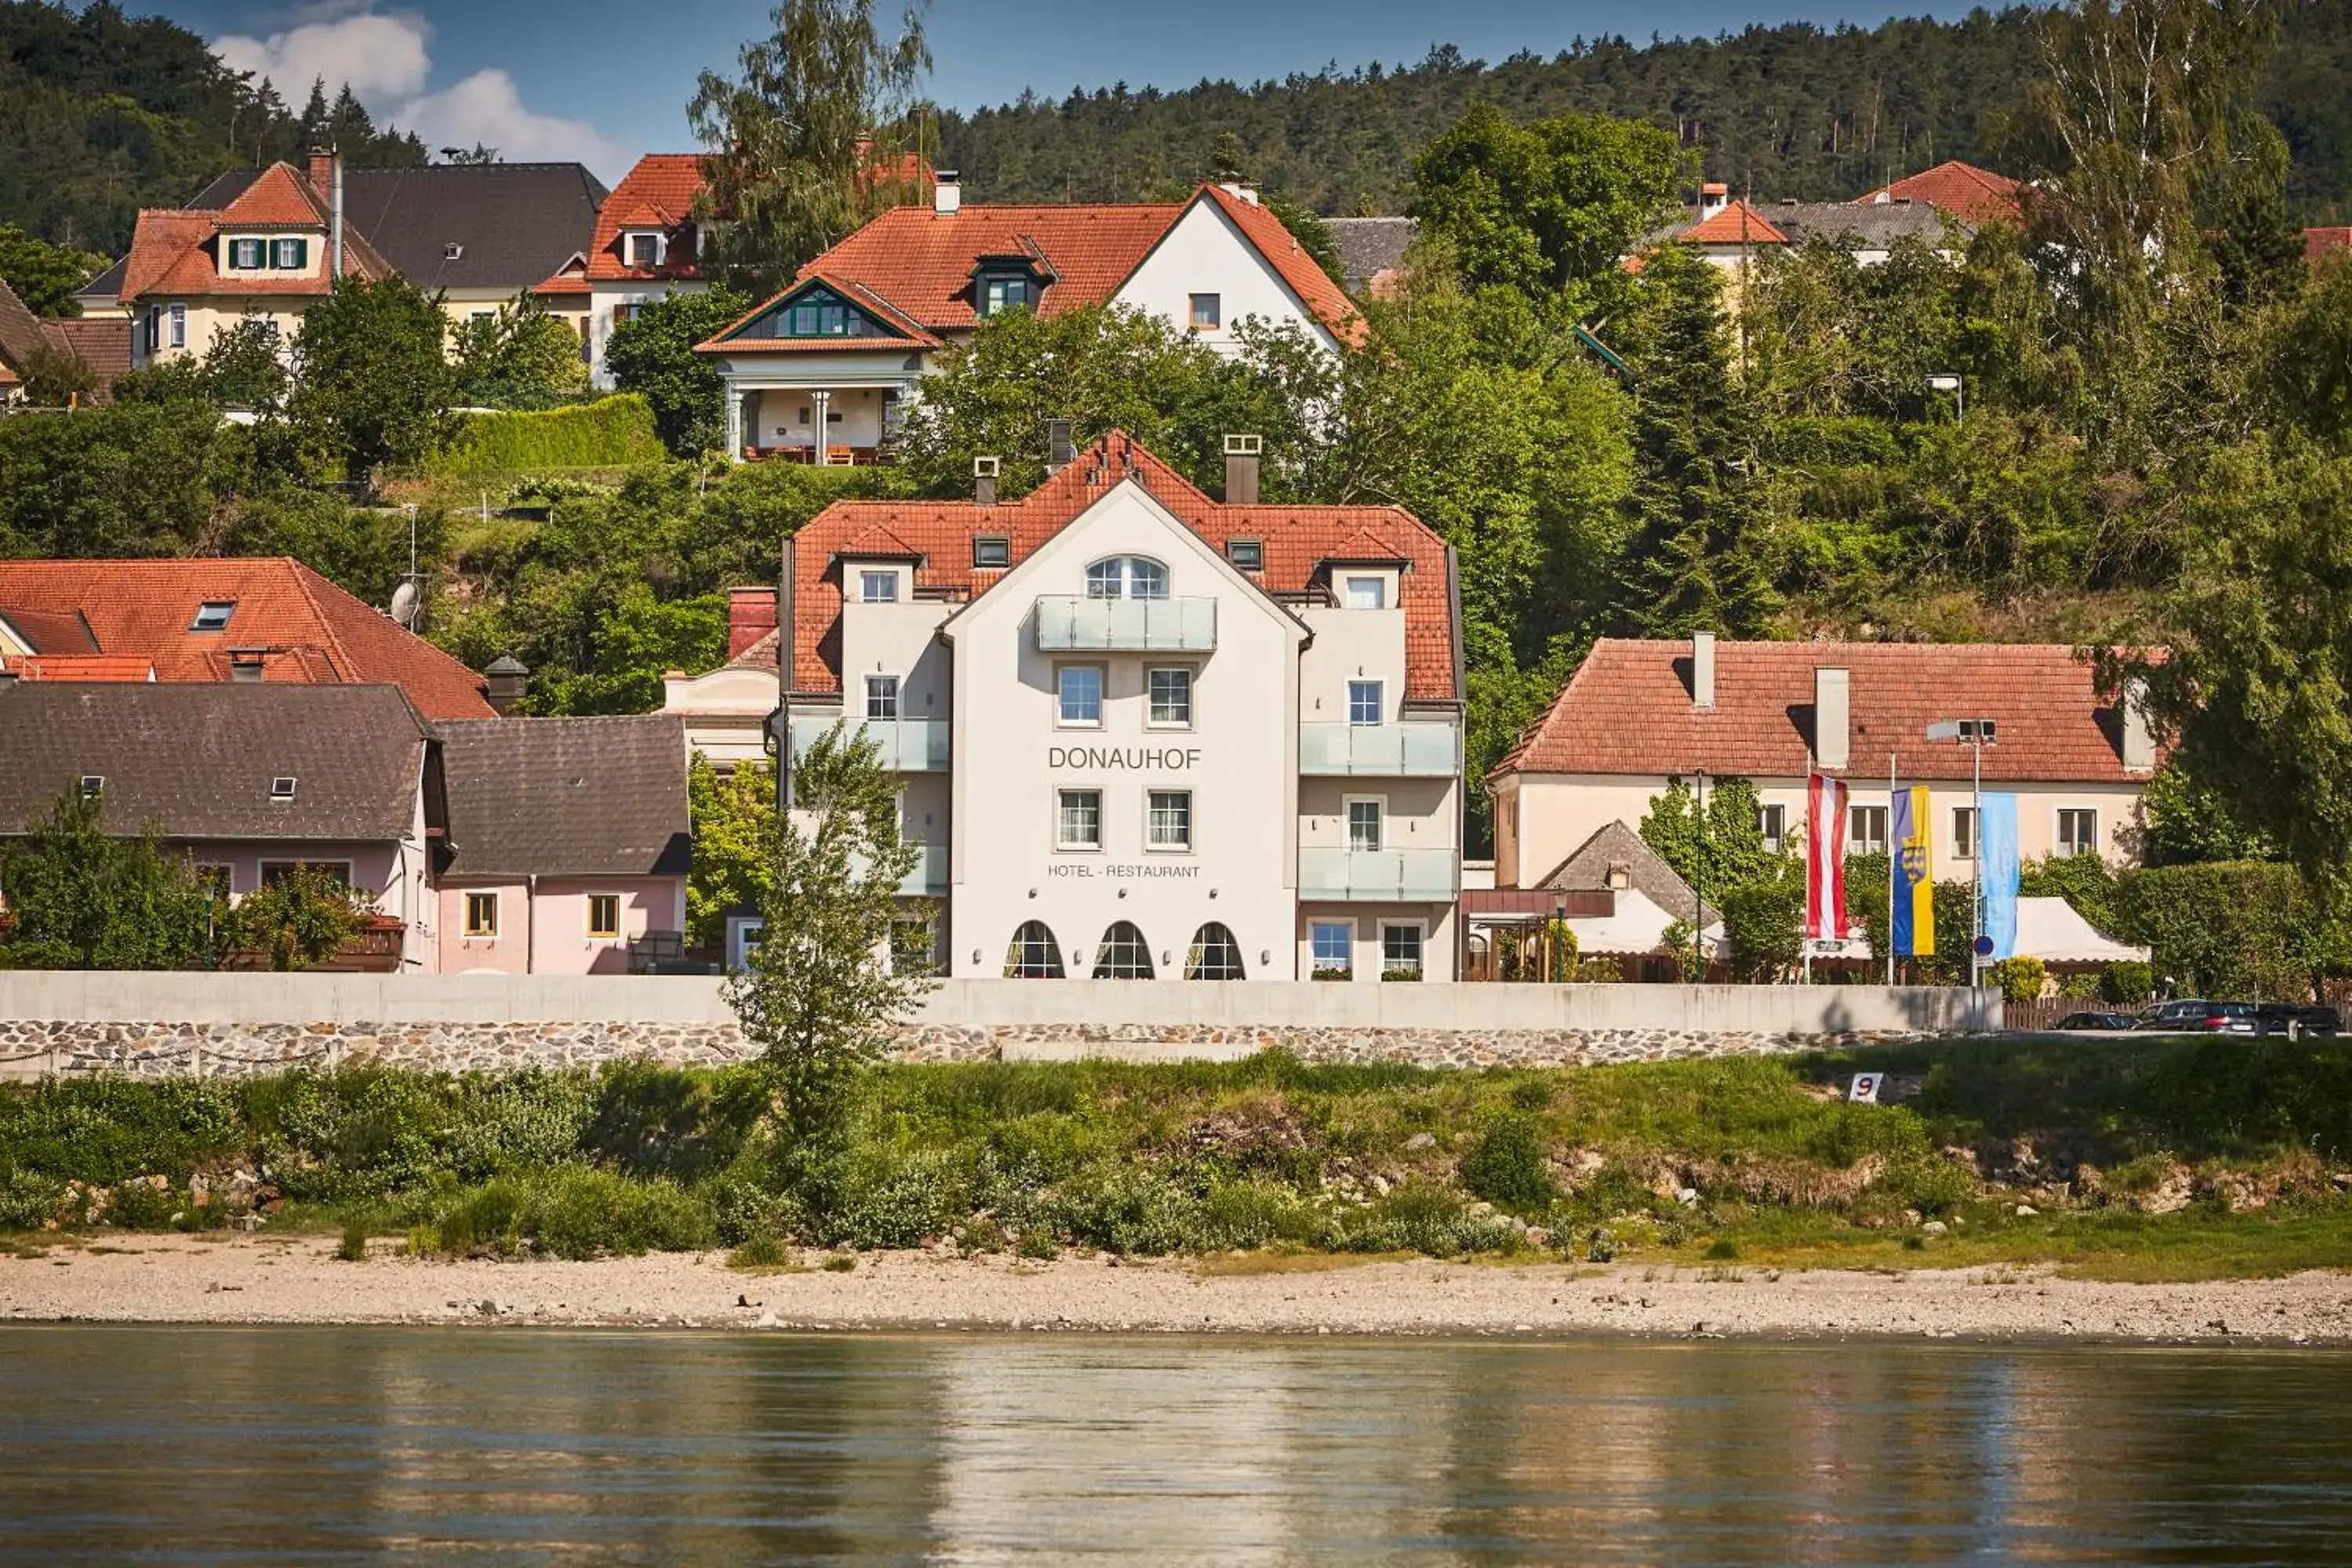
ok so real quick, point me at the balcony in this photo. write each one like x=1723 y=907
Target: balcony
x=1069 y=623
x=1380 y=750
x=1383 y=876
x=908 y=745
x=929 y=880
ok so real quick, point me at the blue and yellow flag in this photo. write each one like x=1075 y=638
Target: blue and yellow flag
x=1914 y=914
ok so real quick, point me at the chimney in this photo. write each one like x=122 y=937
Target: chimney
x=248 y=666
x=1240 y=469
x=946 y=194
x=1059 y=449
x=1238 y=191
x=751 y=616
x=983 y=480
x=1833 y=718
x=1713 y=197
x=320 y=164
x=2139 y=737
x=508 y=680
x=1702 y=669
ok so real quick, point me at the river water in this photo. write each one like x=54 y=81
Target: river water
x=294 y=1445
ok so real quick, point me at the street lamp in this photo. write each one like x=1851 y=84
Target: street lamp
x=1976 y=734
x=1945 y=381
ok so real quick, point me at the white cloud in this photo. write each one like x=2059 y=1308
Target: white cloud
x=485 y=108
x=382 y=57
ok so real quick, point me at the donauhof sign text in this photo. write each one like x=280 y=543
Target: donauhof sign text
x=1132 y=759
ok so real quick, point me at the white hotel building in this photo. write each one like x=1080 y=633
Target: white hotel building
x=1148 y=735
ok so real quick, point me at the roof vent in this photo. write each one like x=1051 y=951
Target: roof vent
x=281 y=790
x=453 y=251
x=92 y=785
x=983 y=480
x=248 y=666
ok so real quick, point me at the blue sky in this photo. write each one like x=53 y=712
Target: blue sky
x=604 y=80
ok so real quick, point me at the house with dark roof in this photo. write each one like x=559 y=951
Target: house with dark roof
x=1371 y=251
x=568 y=847
x=248 y=782
x=823 y=370
x=247 y=620
x=1141 y=732
x=1639 y=714
x=1737 y=235
x=1613 y=893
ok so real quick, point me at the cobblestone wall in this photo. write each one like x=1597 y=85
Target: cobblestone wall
x=32 y=1048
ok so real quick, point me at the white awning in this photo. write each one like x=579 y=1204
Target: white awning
x=2051 y=930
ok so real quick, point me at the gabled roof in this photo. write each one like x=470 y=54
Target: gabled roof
x=1370 y=247
x=1588 y=866
x=278 y=197
x=199 y=761
x=920 y=264
x=1874 y=224
x=903 y=331
x=300 y=628
x=174 y=251
x=1628 y=711
x=513 y=223
x=20 y=331
x=1965 y=191
x=1296 y=540
x=103 y=344
x=658 y=192
x=1736 y=223
x=567 y=797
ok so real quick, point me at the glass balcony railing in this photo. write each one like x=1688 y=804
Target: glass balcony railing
x=1386 y=751
x=1069 y=623
x=929 y=880
x=1389 y=876
x=908 y=745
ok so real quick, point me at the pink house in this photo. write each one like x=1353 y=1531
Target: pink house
x=568 y=845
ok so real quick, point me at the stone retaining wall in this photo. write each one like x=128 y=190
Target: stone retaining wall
x=33 y=1049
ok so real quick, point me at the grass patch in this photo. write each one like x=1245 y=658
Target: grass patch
x=1244 y=1265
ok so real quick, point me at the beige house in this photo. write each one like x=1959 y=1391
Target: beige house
x=1638 y=715
x=1144 y=734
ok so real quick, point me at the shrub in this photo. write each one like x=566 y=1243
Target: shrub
x=576 y=1213
x=1420 y=1217
x=760 y=1252
x=899 y=1202
x=1932 y=1184
x=841 y=1265
x=353 y=1248
x=1724 y=1247
x=28 y=1200
x=1248 y=1215
x=1507 y=1164
x=610 y=433
x=2129 y=983
x=2020 y=979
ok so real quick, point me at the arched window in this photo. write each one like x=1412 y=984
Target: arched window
x=1123 y=954
x=1215 y=954
x=1126 y=577
x=1035 y=955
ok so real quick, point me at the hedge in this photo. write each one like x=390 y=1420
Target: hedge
x=610 y=433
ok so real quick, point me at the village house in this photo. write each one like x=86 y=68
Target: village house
x=568 y=848
x=646 y=246
x=258 y=620
x=824 y=371
x=101 y=348
x=1142 y=734
x=1638 y=715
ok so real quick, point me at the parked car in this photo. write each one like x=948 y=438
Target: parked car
x=2192 y=1015
x=2097 y=1021
x=2295 y=1019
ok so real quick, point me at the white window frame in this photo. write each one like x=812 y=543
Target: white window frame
x=1151 y=842
x=1380 y=804
x=1964 y=833
x=1064 y=844
x=1420 y=929
x=588 y=917
x=1062 y=720
x=1315 y=929
x=1151 y=720
x=629 y=248
x=1772 y=825
x=1855 y=843
x=179 y=326
x=892 y=698
x=1379 y=694
x=1213 y=319
x=468 y=929
x=2058 y=830
x=260 y=254
x=293 y=239
x=867 y=576
x=1351 y=581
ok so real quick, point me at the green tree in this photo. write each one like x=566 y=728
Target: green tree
x=372 y=385
x=814 y=996
x=806 y=142
x=518 y=357
x=80 y=897
x=297 y=921
x=245 y=367
x=45 y=276
x=653 y=353
x=2183 y=821
x=734 y=835
x=56 y=379
x=637 y=638
x=1734 y=853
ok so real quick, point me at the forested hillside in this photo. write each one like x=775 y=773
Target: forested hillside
x=1790 y=111
x=101 y=114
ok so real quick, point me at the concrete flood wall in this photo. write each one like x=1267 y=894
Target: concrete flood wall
x=158 y=1025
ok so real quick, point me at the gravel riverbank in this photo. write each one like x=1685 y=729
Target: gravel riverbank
x=265 y=1280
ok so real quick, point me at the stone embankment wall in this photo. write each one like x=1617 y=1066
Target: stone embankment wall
x=225 y=1024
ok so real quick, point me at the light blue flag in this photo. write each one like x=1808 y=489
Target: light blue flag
x=1999 y=847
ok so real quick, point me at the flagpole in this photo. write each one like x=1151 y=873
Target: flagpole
x=1892 y=854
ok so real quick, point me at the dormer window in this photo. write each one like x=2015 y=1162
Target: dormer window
x=645 y=247
x=1246 y=554
x=821 y=314
x=877 y=585
x=281 y=790
x=1002 y=291
x=289 y=255
x=247 y=254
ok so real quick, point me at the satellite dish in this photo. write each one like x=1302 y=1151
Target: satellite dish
x=404 y=605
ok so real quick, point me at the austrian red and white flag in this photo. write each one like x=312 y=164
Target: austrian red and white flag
x=1825 y=815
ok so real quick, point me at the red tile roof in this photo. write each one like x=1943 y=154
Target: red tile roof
x=1628 y=711
x=311 y=631
x=659 y=193
x=2320 y=242
x=1736 y=223
x=919 y=264
x=81 y=667
x=278 y=199
x=1297 y=541
x=1967 y=191
x=174 y=253
x=101 y=343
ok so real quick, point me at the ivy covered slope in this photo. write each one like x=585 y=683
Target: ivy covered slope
x=2150 y=1159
